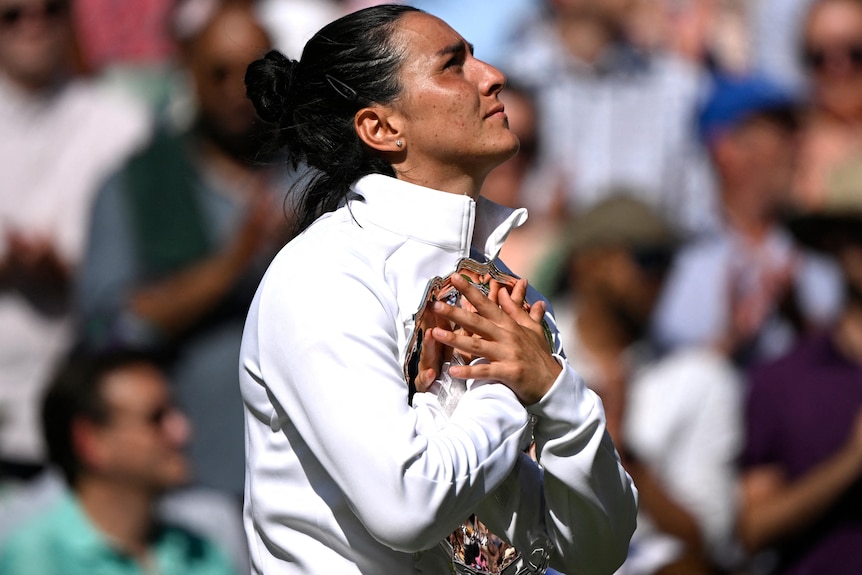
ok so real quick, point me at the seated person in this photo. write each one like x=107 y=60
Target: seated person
x=115 y=434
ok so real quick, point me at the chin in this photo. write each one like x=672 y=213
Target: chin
x=507 y=153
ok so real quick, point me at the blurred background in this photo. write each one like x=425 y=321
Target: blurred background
x=693 y=174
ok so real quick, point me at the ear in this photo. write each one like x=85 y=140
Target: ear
x=379 y=128
x=87 y=444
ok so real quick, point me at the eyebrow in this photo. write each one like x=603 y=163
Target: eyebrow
x=456 y=48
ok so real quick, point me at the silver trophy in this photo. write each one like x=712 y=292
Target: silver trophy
x=474 y=549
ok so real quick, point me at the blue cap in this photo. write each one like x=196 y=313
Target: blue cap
x=734 y=99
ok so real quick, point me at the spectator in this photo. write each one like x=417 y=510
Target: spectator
x=744 y=287
x=612 y=115
x=180 y=238
x=709 y=33
x=802 y=465
x=677 y=416
x=832 y=135
x=115 y=434
x=774 y=31
x=59 y=136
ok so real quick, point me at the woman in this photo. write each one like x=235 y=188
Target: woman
x=346 y=472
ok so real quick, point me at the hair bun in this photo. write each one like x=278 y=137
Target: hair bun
x=268 y=84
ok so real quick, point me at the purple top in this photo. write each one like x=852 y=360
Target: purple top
x=800 y=411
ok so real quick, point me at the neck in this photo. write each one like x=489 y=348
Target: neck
x=123 y=513
x=230 y=168
x=32 y=87
x=443 y=180
x=753 y=224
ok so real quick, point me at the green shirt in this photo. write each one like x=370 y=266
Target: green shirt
x=63 y=541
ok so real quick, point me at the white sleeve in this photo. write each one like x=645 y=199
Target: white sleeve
x=329 y=360
x=579 y=496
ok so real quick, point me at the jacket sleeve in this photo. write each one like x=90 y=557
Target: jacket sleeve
x=578 y=497
x=329 y=362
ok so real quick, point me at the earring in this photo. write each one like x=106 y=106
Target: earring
x=399 y=143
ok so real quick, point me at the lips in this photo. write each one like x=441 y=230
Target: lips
x=499 y=109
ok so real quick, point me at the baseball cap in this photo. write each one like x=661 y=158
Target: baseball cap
x=733 y=99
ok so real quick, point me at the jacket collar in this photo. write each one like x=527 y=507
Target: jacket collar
x=452 y=222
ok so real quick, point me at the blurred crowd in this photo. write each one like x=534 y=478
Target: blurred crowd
x=693 y=174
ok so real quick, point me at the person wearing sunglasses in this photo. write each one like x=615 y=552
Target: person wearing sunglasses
x=60 y=135
x=116 y=436
x=831 y=54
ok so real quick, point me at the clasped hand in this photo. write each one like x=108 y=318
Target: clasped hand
x=497 y=327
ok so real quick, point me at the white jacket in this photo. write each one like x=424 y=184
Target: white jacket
x=343 y=476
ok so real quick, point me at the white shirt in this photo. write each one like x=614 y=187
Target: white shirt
x=625 y=123
x=343 y=476
x=55 y=149
x=684 y=422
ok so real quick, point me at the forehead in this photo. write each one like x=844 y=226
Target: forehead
x=424 y=36
x=233 y=32
x=835 y=20
x=135 y=386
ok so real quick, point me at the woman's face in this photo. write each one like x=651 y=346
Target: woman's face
x=833 y=56
x=452 y=120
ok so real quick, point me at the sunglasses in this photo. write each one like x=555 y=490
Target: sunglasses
x=817 y=58
x=653 y=260
x=12 y=15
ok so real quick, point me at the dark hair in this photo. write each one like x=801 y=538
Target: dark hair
x=349 y=64
x=75 y=392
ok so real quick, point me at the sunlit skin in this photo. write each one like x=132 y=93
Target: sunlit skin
x=510 y=337
x=217 y=61
x=35 y=51
x=146 y=434
x=449 y=118
x=453 y=130
x=832 y=27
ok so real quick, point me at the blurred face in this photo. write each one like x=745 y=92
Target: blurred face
x=145 y=434
x=453 y=121
x=217 y=61
x=832 y=54
x=761 y=162
x=627 y=280
x=35 y=37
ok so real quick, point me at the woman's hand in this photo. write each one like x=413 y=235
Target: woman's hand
x=505 y=333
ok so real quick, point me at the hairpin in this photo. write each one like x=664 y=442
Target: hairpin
x=343 y=89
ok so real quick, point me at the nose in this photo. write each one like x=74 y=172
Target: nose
x=493 y=79
x=177 y=427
